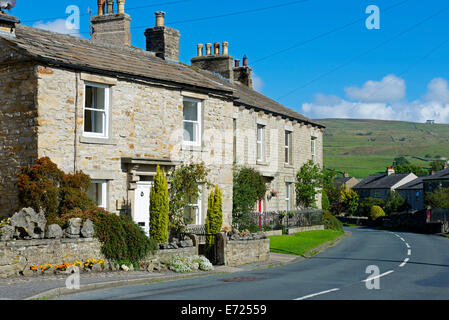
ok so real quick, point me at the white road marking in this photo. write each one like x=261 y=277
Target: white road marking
x=409 y=253
x=404 y=263
x=379 y=276
x=402 y=239
x=317 y=294
x=408 y=246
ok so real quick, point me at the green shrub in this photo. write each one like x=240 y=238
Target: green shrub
x=121 y=238
x=368 y=203
x=159 y=208
x=214 y=219
x=395 y=203
x=249 y=187
x=350 y=201
x=377 y=212
x=331 y=222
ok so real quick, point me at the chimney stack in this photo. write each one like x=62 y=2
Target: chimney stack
x=243 y=75
x=390 y=171
x=200 y=50
x=112 y=28
x=8 y=25
x=216 y=62
x=162 y=40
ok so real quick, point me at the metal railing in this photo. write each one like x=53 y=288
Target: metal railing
x=278 y=220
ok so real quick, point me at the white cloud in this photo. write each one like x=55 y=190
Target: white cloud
x=434 y=106
x=390 y=88
x=438 y=90
x=258 y=83
x=59 y=26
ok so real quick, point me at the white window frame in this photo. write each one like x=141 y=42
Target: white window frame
x=288 y=147
x=106 y=124
x=104 y=193
x=260 y=144
x=199 y=122
x=313 y=148
x=199 y=208
x=288 y=196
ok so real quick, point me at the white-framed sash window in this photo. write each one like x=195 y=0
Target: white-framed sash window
x=193 y=213
x=288 y=148
x=192 y=116
x=98 y=192
x=288 y=194
x=260 y=143
x=96 y=110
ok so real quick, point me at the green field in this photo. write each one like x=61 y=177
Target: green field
x=300 y=243
x=364 y=147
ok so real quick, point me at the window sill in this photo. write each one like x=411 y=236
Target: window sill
x=289 y=166
x=191 y=148
x=92 y=140
x=262 y=163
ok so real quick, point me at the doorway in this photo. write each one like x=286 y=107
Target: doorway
x=142 y=206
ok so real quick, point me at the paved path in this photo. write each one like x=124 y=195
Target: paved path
x=411 y=266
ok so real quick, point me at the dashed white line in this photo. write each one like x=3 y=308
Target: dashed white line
x=409 y=252
x=408 y=246
x=379 y=276
x=317 y=294
x=404 y=263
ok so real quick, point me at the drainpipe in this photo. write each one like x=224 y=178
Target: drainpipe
x=75 y=145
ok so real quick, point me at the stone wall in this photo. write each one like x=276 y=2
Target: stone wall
x=18 y=139
x=16 y=257
x=238 y=253
x=273 y=167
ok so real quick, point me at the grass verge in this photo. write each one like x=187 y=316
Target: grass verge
x=303 y=242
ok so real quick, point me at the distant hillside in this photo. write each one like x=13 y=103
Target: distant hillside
x=364 y=147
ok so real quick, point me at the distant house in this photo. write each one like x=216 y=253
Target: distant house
x=380 y=185
x=413 y=193
x=436 y=181
x=430 y=122
x=346 y=181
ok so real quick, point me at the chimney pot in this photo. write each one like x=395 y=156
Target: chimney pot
x=390 y=171
x=121 y=6
x=160 y=19
x=101 y=7
x=110 y=6
x=245 y=61
x=208 y=49
x=225 y=48
x=200 y=50
x=216 y=48
x=237 y=63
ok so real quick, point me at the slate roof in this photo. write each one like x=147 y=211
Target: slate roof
x=342 y=180
x=86 y=55
x=440 y=175
x=381 y=181
x=416 y=184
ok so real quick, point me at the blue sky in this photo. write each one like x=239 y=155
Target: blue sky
x=399 y=72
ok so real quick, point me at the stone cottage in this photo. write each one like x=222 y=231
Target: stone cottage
x=115 y=112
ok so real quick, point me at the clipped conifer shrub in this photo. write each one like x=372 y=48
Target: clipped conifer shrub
x=159 y=208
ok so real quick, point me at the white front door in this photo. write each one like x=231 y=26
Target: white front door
x=142 y=206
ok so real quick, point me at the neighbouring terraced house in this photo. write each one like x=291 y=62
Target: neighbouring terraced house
x=115 y=112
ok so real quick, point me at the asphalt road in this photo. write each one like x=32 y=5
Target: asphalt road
x=410 y=266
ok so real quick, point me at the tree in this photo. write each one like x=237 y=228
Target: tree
x=437 y=165
x=368 y=203
x=214 y=219
x=185 y=190
x=395 y=203
x=159 y=208
x=249 y=187
x=439 y=199
x=400 y=161
x=350 y=201
x=410 y=168
x=309 y=182
x=325 y=204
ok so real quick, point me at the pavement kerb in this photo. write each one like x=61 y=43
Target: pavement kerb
x=57 y=292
